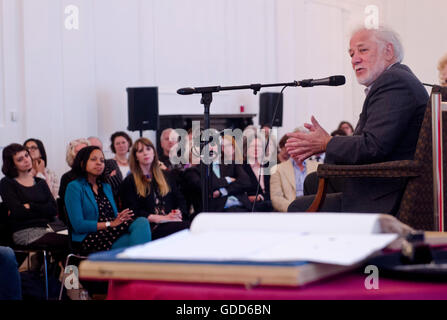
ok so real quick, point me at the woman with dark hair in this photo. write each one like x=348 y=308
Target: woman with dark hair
x=96 y=223
x=151 y=194
x=29 y=200
x=37 y=151
x=346 y=127
x=117 y=169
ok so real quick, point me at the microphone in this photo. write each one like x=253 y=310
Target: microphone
x=186 y=91
x=333 y=81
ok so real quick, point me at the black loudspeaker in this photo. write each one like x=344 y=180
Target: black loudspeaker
x=267 y=104
x=142 y=108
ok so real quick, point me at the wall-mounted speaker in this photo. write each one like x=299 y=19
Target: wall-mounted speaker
x=142 y=108
x=267 y=104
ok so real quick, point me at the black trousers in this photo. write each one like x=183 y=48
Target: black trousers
x=332 y=203
x=334 y=185
x=161 y=230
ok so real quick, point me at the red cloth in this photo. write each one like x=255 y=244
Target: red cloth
x=346 y=287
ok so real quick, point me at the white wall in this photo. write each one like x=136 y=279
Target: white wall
x=64 y=84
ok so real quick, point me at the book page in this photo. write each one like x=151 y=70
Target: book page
x=222 y=246
x=324 y=223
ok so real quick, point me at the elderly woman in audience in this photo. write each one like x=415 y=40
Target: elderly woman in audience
x=442 y=68
x=258 y=173
x=37 y=151
x=151 y=193
x=118 y=168
x=93 y=214
x=72 y=150
x=29 y=200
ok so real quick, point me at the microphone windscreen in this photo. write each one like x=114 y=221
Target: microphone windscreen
x=186 y=91
x=337 y=81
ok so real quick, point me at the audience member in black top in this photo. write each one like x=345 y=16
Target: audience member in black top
x=191 y=183
x=229 y=182
x=149 y=193
x=29 y=200
x=254 y=166
x=117 y=168
x=38 y=154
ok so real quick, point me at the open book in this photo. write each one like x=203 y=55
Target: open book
x=270 y=248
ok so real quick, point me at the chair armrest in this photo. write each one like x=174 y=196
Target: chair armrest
x=390 y=169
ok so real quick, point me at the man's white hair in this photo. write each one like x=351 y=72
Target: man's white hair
x=384 y=36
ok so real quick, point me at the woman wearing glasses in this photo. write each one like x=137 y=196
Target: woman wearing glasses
x=37 y=151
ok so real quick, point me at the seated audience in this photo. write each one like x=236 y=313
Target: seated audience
x=442 y=68
x=229 y=182
x=29 y=200
x=10 y=288
x=287 y=181
x=346 y=127
x=72 y=150
x=37 y=151
x=96 y=223
x=118 y=168
x=255 y=172
x=151 y=194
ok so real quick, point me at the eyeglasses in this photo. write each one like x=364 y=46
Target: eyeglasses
x=32 y=148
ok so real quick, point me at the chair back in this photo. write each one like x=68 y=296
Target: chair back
x=72 y=246
x=417 y=205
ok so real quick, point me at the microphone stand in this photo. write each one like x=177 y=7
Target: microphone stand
x=207 y=99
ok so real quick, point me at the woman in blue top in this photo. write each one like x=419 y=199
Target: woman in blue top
x=92 y=211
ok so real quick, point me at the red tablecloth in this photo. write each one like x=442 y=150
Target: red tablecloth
x=344 y=287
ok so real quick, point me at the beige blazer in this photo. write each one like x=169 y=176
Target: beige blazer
x=282 y=184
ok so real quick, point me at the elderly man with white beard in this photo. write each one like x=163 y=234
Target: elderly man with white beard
x=387 y=129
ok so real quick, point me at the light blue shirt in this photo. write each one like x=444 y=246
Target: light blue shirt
x=232 y=201
x=299 y=178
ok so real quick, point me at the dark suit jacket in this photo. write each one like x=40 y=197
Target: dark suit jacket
x=237 y=188
x=387 y=130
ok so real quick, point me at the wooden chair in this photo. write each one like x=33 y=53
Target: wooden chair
x=417 y=203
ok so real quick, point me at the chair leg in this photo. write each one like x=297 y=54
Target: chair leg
x=63 y=277
x=45 y=273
